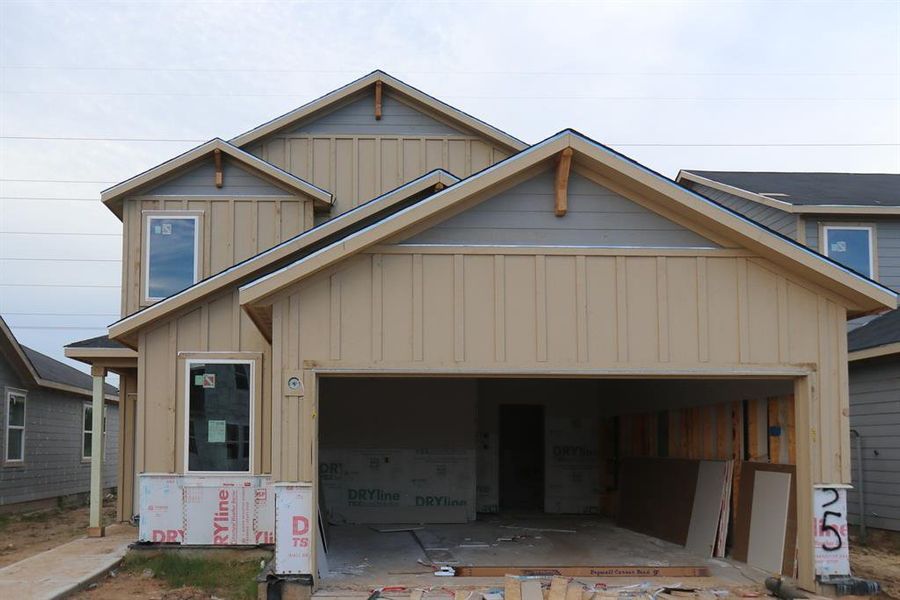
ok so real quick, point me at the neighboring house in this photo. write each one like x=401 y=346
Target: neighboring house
x=364 y=300
x=875 y=417
x=853 y=218
x=45 y=427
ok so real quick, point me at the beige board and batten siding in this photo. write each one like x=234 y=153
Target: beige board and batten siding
x=216 y=325
x=356 y=157
x=244 y=217
x=471 y=309
x=219 y=324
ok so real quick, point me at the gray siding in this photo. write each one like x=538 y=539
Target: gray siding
x=53 y=465
x=875 y=414
x=778 y=220
x=200 y=181
x=358 y=118
x=887 y=236
x=597 y=217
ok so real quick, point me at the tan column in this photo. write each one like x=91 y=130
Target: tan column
x=96 y=526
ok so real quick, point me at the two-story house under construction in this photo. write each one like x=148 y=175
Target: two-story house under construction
x=378 y=309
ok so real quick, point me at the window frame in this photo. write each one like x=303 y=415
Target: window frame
x=148 y=217
x=241 y=358
x=827 y=227
x=84 y=407
x=9 y=393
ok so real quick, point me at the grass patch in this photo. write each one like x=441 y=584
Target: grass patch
x=4 y=521
x=232 y=579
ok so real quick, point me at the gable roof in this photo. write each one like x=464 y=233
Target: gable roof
x=864 y=294
x=48 y=372
x=850 y=193
x=113 y=197
x=408 y=92
x=878 y=337
x=284 y=252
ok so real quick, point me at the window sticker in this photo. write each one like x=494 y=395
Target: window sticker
x=216 y=432
x=209 y=381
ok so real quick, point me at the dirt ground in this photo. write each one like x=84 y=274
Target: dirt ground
x=134 y=587
x=24 y=535
x=879 y=560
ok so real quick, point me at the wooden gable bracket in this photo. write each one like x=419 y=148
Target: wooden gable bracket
x=377 y=100
x=220 y=175
x=563 y=166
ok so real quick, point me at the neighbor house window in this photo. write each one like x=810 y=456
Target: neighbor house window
x=219 y=420
x=87 y=429
x=851 y=246
x=15 y=426
x=171 y=254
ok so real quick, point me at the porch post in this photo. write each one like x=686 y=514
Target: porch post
x=95 y=528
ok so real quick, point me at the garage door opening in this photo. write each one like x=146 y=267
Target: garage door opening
x=535 y=472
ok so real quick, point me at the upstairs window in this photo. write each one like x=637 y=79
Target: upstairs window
x=15 y=426
x=171 y=254
x=851 y=245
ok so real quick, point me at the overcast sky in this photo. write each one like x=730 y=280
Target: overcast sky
x=94 y=92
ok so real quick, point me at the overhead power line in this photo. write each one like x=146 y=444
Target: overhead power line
x=78 y=233
x=50 y=199
x=467 y=97
x=96 y=139
x=61 y=285
x=60 y=327
x=253 y=70
x=54 y=181
x=23 y=258
x=618 y=144
x=37 y=314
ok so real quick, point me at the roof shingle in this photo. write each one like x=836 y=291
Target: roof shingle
x=815 y=189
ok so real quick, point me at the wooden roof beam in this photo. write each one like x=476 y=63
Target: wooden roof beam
x=377 y=100
x=220 y=174
x=563 y=166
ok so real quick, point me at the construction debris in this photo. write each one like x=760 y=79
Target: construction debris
x=585 y=571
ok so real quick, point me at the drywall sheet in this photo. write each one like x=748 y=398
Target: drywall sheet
x=397 y=485
x=227 y=515
x=206 y=510
x=743 y=514
x=768 y=521
x=657 y=496
x=725 y=514
x=712 y=478
x=160 y=509
x=293 y=526
x=572 y=471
